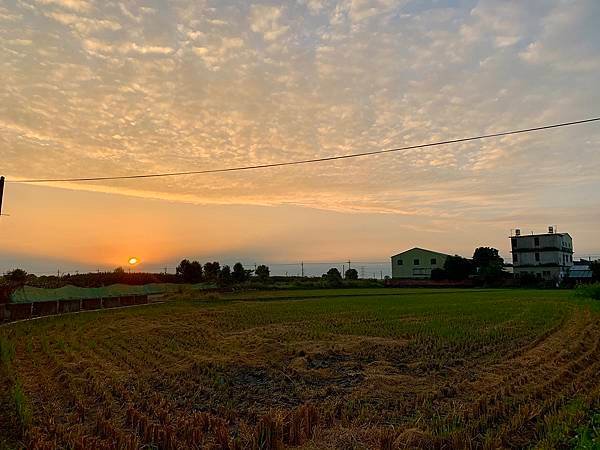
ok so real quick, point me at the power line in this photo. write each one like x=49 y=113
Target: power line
x=309 y=161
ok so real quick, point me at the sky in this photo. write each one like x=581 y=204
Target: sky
x=97 y=88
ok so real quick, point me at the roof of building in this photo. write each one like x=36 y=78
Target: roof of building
x=420 y=248
x=522 y=235
x=580 y=272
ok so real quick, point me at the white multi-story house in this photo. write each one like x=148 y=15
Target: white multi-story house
x=547 y=256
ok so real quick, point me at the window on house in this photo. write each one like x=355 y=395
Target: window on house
x=537 y=257
x=433 y=261
x=416 y=262
x=399 y=262
x=536 y=241
x=515 y=257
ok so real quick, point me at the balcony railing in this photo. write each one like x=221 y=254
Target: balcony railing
x=542 y=249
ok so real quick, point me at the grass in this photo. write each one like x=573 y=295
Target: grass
x=589 y=291
x=588 y=435
x=362 y=368
x=7 y=352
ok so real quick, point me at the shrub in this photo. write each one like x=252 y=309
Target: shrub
x=333 y=277
x=5 y=293
x=438 y=274
x=588 y=291
x=351 y=274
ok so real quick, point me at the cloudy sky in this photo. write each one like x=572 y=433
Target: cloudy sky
x=95 y=88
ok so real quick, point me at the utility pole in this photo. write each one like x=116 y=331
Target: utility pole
x=302 y=265
x=349 y=266
x=1 y=193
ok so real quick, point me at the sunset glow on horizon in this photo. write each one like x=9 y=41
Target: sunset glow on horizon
x=96 y=88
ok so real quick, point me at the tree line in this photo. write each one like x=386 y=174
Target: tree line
x=212 y=272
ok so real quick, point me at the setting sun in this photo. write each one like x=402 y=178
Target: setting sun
x=133 y=261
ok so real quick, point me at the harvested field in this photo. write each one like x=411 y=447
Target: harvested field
x=379 y=369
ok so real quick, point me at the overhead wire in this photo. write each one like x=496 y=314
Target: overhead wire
x=306 y=161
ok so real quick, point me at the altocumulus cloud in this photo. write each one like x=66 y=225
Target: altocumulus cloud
x=96 y=88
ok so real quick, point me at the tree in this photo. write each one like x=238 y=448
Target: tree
x=262 y=272
x=224 y=277
x=438 y=274
x=351 y=274
x=457 y=268
x=333 y=277
x=119 y=271
x=16 y=278
x=488 y=263
x=595 y=267
x=189 y=272
x=487 y=257
x=183 y=267
x=211 y=271
x=239 y=274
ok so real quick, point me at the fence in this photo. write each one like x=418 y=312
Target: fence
x=10 y=312
x=428 y=283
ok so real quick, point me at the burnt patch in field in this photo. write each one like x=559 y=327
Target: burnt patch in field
x=258 y=386
x=342 y=370
x=327 y=360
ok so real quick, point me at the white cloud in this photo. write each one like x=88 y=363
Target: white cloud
x=569 y=38
x=25 y=42
x=266 y=21
x=363 y=9
x=146 y=49
x=98 y=46
x=84 y=25
x=314 y=6
x=73 y=5
x=215 y=55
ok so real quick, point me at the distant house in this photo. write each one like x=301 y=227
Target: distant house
x=417 y=263
x=546 y=256
x=581 y=272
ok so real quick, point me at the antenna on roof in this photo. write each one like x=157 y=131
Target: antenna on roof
x=1 y=193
